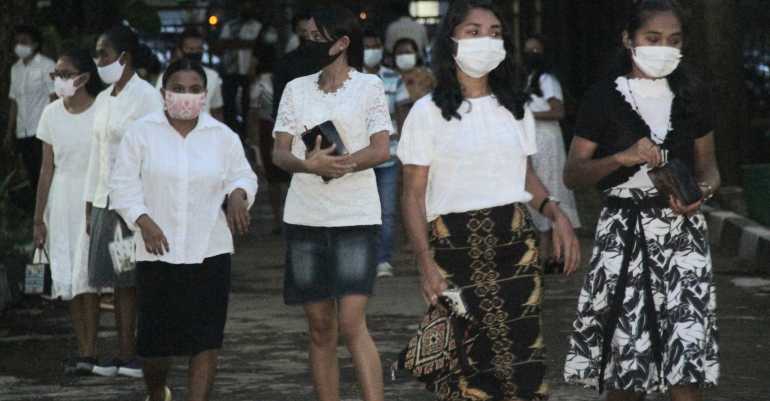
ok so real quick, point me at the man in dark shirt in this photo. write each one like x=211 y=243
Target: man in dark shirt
x=293 y=64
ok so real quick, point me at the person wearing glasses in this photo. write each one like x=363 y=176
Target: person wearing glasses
x=66 y=130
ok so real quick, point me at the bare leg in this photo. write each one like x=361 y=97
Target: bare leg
x=125 y=317
x=203 y=367
x=276 y=196
x=155 y=373
x=620 y=395
x=686 y=392
x=322 y=325
x=352 y=322
x=84 y=310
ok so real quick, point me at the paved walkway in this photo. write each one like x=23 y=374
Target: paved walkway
x=265 y=351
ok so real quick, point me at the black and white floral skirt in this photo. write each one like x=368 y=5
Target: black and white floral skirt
x=678 y=279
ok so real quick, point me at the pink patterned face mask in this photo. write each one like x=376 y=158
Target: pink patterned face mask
x=184 y=106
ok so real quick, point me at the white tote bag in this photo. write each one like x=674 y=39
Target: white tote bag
x=122 y=251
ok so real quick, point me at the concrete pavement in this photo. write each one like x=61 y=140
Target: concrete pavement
x=265 y=351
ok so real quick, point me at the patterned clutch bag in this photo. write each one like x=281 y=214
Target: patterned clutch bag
x=675 y=179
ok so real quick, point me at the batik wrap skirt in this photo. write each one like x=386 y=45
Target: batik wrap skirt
x=674 y=342
x=491 y=254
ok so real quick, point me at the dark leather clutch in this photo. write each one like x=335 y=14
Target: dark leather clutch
x=676 y=179
x=329 y=136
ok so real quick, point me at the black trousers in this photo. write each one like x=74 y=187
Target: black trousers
x=234 y=111
x=31 y=150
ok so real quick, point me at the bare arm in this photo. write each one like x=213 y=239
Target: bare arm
x=319 y=161
x=582 y=171
x=376 y=153
x=401 y=112
x=557 y=111
x=13 y=111
x=563 y=234
x=416 y=221
x=43 y=188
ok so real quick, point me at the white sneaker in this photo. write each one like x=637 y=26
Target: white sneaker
x=384 y=269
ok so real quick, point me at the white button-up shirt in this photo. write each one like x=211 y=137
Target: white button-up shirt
x=31 y=89
x=181 y=183
x=114 y=114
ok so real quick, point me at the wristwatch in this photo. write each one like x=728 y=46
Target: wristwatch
x=550 y=198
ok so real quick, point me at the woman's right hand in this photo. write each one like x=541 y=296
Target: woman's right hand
x=643 y=151
x=321 y=162
x=154 y=239
x=41 y=232
x=433 y=284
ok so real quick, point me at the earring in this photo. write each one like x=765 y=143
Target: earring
x=340 y=48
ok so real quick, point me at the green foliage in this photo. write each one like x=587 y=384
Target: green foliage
x=15 y=229
x=55 y=44
x=142 y=17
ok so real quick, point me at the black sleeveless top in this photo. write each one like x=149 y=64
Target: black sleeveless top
x=606 y=119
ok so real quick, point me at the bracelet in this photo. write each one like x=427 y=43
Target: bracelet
x=542 y=205
x=710 y=189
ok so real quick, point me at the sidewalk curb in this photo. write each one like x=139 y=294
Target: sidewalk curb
x=735 y=235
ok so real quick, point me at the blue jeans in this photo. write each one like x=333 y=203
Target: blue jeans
x=387 y=186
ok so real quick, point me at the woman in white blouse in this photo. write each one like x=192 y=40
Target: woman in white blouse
x=547 y=107
x=66 y=129
x=332 y=228
x=467 y=177
x=174 y=171
x=126 y=99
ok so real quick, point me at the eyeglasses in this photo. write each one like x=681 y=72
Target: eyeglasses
x=64 y=74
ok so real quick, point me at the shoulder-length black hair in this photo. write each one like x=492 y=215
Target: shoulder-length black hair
x=503 y=80
x=335 y=22
x=123 y=39
x=84 y=63
x=183 y=64
x=682 y=82
x=535 y=65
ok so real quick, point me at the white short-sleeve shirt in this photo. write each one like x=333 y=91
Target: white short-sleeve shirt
x=477 y=162
x=550 y=87
x=31 y=89
x=358 y=110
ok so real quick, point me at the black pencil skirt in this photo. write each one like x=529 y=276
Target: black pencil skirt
x=182 y=307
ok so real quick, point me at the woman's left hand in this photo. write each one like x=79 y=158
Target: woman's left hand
x=41 y=232
x=238 y=217
x=564 y=238
x=679 y=208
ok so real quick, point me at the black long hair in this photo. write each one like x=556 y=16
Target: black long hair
x=183 y=64
x=335 y=22
x=503 y=80
x=682 y=82
x=123 y=39
x=84 y=63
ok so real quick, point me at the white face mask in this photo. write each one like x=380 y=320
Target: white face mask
x=656 y=61
x=406 y=62
x=112 y=73
x=23 y=51
x=478 y=56
x=65 y=87
x=372 y=57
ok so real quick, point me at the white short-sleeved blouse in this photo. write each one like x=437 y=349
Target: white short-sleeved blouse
x=477 y=162
x=358 y=110
x=551 y=88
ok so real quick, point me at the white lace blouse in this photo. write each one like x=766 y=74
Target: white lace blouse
x=358 y=109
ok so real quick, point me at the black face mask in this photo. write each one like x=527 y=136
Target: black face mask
x=194 y=56
x=318 y=52
x=534 y=61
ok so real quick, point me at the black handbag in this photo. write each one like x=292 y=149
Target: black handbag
x=329 y=136
x=676 y=179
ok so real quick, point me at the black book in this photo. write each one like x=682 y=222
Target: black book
x=329 y=136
